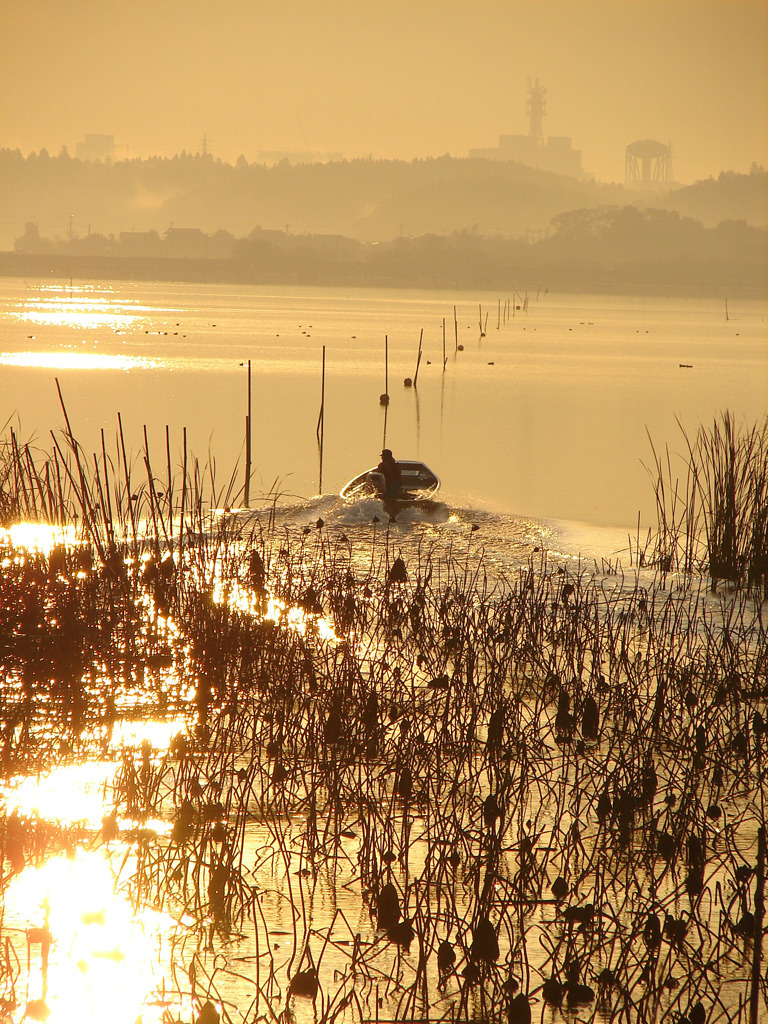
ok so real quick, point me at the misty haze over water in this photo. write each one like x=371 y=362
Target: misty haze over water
x=400 y=80
x=367 y=115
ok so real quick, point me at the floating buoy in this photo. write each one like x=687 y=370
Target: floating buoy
x=384 y=399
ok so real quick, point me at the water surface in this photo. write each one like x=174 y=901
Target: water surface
x=546 y=412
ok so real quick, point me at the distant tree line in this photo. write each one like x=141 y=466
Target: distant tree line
x=607 y=248
x=368 y=200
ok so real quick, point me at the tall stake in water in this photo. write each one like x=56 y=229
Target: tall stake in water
x=247 y=497
x=418 y=360
x=321 y=423
x=384 y=399
x=757 y=948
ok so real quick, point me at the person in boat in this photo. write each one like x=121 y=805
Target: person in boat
x=393 y=480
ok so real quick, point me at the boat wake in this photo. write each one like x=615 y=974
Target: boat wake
x=506 y=542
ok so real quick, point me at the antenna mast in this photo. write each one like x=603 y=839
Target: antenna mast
x=537 y=104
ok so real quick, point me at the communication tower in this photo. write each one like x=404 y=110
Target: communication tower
x=537 y=104
x=648 y=163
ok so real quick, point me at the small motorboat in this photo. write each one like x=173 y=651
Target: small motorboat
x=420 y=485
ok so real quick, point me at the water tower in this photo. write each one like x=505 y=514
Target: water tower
x=648 y=163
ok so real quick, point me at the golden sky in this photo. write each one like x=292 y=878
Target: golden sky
x=389 y=79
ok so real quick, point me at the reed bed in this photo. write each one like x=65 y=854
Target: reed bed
x=716 y=520
x=410 y=787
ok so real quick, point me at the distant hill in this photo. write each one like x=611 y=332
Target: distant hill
x=730 y=196
x=470 y=221
x=369 y=200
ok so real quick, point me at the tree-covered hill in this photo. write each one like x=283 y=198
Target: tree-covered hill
x=368 y=200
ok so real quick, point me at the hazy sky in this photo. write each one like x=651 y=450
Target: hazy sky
x=389 y=79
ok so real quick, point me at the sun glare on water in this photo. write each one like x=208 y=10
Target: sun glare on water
x=85 y=953
x=77 y=308
x=275 y=610
x=37 y=537
x=73 y=794
x=92 y=956
x=75 y=361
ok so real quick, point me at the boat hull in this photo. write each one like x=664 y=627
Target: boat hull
x=420 y=484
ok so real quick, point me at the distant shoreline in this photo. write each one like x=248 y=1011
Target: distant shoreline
x=673 y=279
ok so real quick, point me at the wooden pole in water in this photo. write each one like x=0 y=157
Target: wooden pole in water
x=445 y=360
x=169 y=485
x=418 y=360
x=726 y=307
x=183 y=498
x=455 y=329
x=384 y=399
x=757 y=948
x=247 y=499
x=320 y=432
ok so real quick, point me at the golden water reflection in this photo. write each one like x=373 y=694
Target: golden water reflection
x=84 y=952
x=274 y=609
x=92 y=956
x=79 y=307
x=73 y=794
x=129 y=732
x=76 y=361
x=37 y=537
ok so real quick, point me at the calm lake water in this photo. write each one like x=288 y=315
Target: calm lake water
x=537 y=420
x=546 y=415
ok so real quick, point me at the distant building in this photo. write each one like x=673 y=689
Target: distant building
x=555 y=154
x=100 y=148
